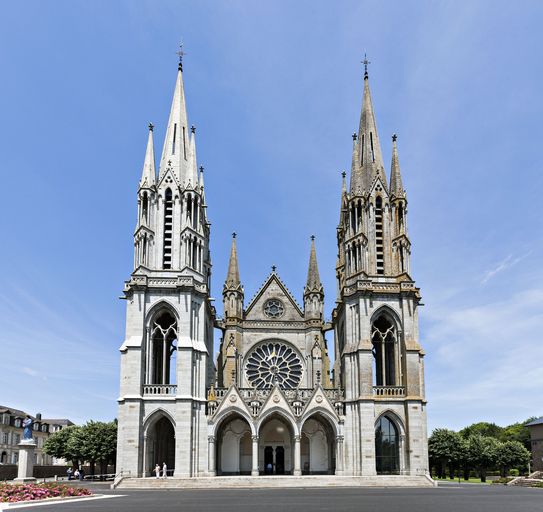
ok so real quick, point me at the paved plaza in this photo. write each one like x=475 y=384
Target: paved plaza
x=445 y=498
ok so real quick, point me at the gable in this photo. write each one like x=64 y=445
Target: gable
x=274 y=289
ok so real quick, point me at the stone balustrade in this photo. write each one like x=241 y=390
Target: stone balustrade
x=388 y=390
x=159 y=389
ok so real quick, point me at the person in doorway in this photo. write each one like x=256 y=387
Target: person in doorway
x=164 y=470
x=157 y=470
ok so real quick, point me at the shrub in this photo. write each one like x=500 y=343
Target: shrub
x=514 y=472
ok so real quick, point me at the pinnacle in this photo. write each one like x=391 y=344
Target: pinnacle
x=313 y=279
x=396 y=186
x=232 y=277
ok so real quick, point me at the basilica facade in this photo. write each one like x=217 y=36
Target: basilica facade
x=271 y=402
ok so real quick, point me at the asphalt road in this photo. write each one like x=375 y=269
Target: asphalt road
x=449 y=498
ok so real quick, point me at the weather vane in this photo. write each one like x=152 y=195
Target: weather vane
x=181 y=53
x=365 y=62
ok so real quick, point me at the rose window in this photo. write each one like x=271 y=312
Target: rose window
x=273 y=363
x=273 y=308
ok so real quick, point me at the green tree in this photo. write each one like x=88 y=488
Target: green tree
x=97 y=442
x=518 y=432
x=58 y=445
x=482 y=428
x=512 y=454
x=444 y=449
x=483 y=453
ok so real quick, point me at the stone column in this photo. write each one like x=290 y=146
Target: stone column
x=254 y=469
x=401 y=449
x=212 y=470
x=339 y=455
x=297 y=456
x=25 y=469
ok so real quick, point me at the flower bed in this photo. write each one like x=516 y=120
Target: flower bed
x=13 y=493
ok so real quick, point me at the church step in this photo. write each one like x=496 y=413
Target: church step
x=234 y=482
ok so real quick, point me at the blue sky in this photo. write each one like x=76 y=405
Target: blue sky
x=274 y=89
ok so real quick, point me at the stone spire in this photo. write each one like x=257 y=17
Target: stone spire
x=148 y=174
x=175 y=152
x=232 y=277
x=369 y=149
x=396 y=186
x=313 y=284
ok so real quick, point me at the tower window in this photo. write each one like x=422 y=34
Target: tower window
x=371 y=144
x=400 y=216
x=362 y=155
x=402 y=265
x=379 y=252
x=385 y=353
x=161 y=361
x=174 y=136
x=184 y=145
x=168 y=229
x=145 y=208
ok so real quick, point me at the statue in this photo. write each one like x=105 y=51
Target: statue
x=28 y=423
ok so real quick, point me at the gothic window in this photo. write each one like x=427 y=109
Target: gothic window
x=387 y=447
x=274 y=308
x=402 y=264
x=174 y=136
x=145 y=208
x=184 y=145
x=272 y=363
x=359 y=215
x=379 y=252
x=371 y=144
x=163 y=346
x=189 y=208
x=362 y=155
x=168 y=229
x=400 y=217
x=385 y=352
x=144 y=255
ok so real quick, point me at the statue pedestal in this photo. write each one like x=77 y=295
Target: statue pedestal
x=25 y=466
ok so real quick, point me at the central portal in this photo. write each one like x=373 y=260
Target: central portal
x=276 y=447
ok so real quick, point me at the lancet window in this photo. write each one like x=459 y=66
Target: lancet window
x=162 y=347
x=386 y=353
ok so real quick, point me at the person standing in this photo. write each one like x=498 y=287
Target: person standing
x=157 y=470
x=69 y=471
x=164 y=470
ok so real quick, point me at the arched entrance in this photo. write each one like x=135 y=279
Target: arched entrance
x=276 y=446
x=387 y=447
x=318 y=446
x=160 y=445
x=234 y=447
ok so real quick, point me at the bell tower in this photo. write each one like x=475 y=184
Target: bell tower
x=166 y=357
x=379 y=361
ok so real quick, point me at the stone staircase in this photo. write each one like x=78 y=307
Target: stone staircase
x=240 y=482
x=535 y=479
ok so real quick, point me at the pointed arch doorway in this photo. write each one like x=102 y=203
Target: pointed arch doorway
x=276 y=446
x=160 y=446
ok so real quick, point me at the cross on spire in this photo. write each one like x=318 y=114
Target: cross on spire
x=365 y=62
x=181 y=53
x=234 y=234
x=274 y=268
x=312 y=237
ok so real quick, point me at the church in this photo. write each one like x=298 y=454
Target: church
x=271 y=402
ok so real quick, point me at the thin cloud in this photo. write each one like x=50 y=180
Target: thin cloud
x=503 y=265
